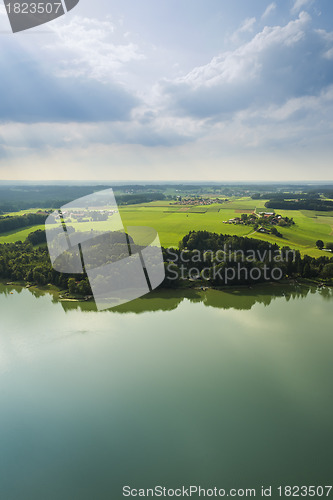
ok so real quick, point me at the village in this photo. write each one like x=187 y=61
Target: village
x=262 y=222
x=83 y=215
x=195 y=201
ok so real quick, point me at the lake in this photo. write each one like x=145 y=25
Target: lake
x=214 y=389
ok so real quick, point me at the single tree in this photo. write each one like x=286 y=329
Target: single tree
x=320 y=244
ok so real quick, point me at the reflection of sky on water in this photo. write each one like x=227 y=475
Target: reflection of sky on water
x=193 y=393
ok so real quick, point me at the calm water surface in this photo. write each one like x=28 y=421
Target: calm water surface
x=214 y=389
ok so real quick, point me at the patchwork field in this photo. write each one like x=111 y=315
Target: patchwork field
x=174 y=221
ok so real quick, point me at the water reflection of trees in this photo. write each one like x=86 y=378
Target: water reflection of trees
x=9 y=289
x=168 y=300
x=240 y=299
x=245 y=299
x=326 y=293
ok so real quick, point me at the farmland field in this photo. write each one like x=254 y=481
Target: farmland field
x=19 y=234
x=173 y=221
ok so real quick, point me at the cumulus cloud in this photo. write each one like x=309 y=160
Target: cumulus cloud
x=299 y=123
x=306 y=111
x=79 y=80
x=93 y=49
x=279 y=63
x=79 y=92
x=81 y=95
x=272 y=78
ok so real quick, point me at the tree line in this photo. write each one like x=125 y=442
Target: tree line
x=135 y=199
x=10 y=223
x=26 y=263
x=303 y=204
x=283 y=196
x=209 y=245
x=17 y=198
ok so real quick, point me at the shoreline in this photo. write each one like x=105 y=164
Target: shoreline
x=64 y=296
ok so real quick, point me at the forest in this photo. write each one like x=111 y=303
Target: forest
x=302 y=204
x=16 y=198
x=8 y=223
x=23 y=262
x=291 y=263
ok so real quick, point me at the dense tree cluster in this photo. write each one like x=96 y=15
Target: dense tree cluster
x=21 y=262
x=135 y=199
x=326 y=191
x=30 y=263
x=202 y=250
x=16 y=198
x=37 y=237
x=24 y=262
x=302 y=204
x=284 y=196
x=9 y=223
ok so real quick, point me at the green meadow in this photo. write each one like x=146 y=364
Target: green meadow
x=19 y=234
x=172 y=222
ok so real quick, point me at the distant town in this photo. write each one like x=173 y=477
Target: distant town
x=195 y=201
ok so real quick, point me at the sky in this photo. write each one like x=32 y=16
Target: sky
x=170 y=90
